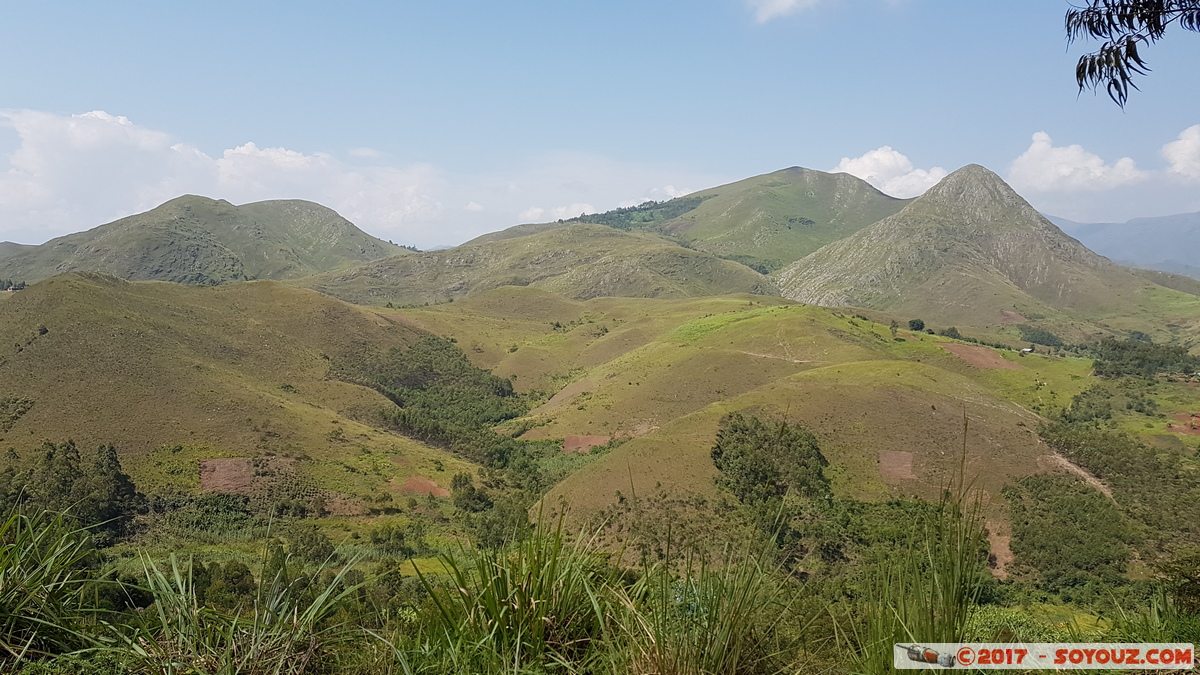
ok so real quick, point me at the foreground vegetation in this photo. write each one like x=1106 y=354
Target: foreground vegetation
x=810 y=583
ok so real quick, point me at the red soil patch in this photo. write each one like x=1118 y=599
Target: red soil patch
x=980 y=357
x=243 y=475
x=896 y=465
x=1188 y=423
x=420 y=485
x=1009 y=316
x=583 y=443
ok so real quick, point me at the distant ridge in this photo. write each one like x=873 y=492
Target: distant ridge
x=764 y=222
x=576 y=261
x=198 y=240
x=1166 y=243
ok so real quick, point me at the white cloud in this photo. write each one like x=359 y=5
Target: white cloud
x=891 y=172
x=364 y=153
x=571 y=210
x=1046 y=168
x=78 y=171
x=765 y=10
x=66 y=173
x=1183 y=155
x=539 y=214
x=532 y=214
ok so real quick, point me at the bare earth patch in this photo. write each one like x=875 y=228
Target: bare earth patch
x=896 y=465
x=1009 y=316
x=1001 y=551
x=980 y=357
x=239 y=474
x=344 y=506
x=583 y=443
x=1187 y=423
x=421 y=485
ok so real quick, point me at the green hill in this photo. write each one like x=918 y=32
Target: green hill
x=176 y=375
x=204 y=241
x=765 y=222
x=661 y=374
x=971 y=251
x=577 y=261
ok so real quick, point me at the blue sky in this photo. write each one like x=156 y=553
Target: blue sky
x=429 y=123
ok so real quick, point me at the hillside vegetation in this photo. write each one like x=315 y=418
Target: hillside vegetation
x=579 y=261
x=971 y=251
x=197 y=240
x=764 y=222
x=177 y=375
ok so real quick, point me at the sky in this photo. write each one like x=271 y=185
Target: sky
x=429 y=123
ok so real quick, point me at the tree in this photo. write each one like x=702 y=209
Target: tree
x=1124 y=26
x=916 y=325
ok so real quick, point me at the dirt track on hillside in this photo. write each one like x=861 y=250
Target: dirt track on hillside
x=1056 y=460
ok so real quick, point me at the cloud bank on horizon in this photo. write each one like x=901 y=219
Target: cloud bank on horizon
x=72 y=172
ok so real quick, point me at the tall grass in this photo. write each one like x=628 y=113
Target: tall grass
x=923 y=593
x=286 y=629
x=44 y=577
x=926 y=591
x=1162 y=621
x=539 y=604
x=705 y=621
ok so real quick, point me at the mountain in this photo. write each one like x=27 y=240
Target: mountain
x=577 y=261
x=1166 y=244
x=198 y=240
x=972 y=251
x=764 y=222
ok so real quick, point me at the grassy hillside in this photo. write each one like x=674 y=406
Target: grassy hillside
x=581 y=261
x=204 y=241
x=175 y=375
x=658 y=375
x=972 y=252
x=765 y=222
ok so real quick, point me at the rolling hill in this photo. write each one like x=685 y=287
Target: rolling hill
x=971 y=251
x=576 y=261
x=204 y=241
x=764 y=222
x=661 y=373
x=177 y=375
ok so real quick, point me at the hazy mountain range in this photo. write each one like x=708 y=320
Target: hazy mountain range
x=1167 y=243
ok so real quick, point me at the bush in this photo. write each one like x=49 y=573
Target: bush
x=1066 y=534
